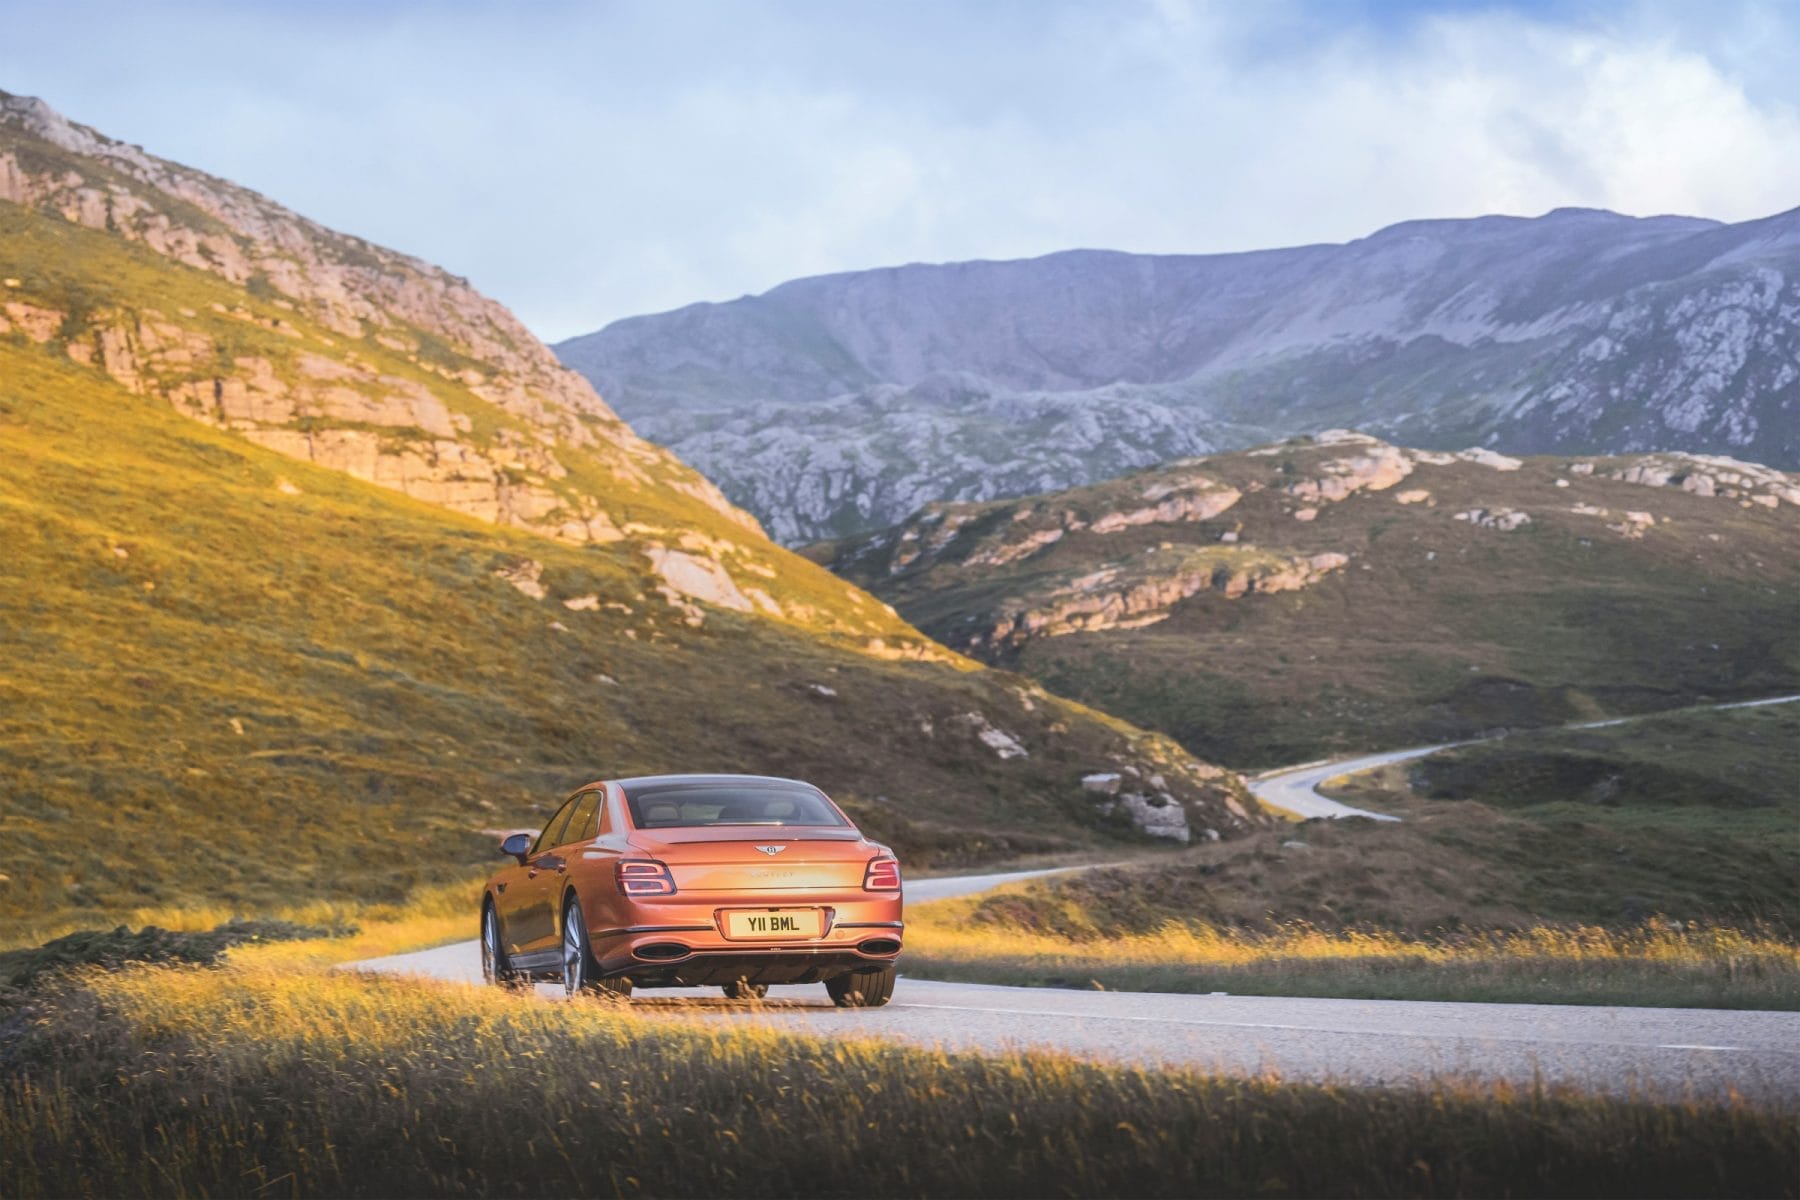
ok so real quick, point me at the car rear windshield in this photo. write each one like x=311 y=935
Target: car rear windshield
x=675 y=805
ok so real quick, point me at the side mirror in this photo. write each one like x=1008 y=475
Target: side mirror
x=518 y=845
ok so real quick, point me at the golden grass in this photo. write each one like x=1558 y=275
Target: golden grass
x=347 y=658
x=432 y=916
x=1657 y=963
x=262 y=1080
x=942 y=928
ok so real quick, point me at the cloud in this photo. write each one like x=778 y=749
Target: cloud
x=584 y=163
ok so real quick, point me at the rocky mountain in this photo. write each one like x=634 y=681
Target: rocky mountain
x=834 y=405
x=1338 y=592
x=315 y=564
x=328 y=349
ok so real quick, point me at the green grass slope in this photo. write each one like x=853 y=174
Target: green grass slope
x=1676 y=767
x=231 y=678
x=1695 y=815
x=1431 y=626
x=1689 y=816
x=1650 y=863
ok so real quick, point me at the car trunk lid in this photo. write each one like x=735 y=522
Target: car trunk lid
x=751 y=858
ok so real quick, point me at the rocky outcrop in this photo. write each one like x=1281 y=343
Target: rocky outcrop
x=1003 y=744
x=1172 y=502
x=1375 y=467
x=1191 y=804
x=1488 y=458
x=1146 y=590
x=364 y=360
x=1378 y=468
x=1503 y=519
x=1708 y=475
x=1003 y=552
x=690 y=577
x=37 y=324
x=1711 y=477
x=999 y=535
x=526 y=575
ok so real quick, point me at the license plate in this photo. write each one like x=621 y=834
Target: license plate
x=778 y=924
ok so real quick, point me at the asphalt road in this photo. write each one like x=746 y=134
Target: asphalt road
x=1661 y=1051
x=1296 y=788
x=1673 y=1052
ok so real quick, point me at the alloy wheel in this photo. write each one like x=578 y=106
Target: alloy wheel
x=574 y=954
x=490 y=946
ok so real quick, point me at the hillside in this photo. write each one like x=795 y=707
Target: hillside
x=1340 y=593
x=315 y=567
x=1700 y=822
x=835 y=405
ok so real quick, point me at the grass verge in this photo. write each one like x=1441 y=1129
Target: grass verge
x=1046 y=934
x=432 y=916
x=1653 y=967
x=258 y=1081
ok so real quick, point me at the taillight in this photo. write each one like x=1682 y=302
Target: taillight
x=883 y=875
x=644 y=877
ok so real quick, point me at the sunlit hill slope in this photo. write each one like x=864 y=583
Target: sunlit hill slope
x=314 y=566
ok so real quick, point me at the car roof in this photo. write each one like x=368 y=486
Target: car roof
x=651 y=782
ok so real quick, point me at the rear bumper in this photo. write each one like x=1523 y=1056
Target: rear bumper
x=763 y=965
x=680 y=943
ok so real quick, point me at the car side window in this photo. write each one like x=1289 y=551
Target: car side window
x=553 y=827
x=581 y=821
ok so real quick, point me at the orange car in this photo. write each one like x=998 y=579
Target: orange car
x=676 y=880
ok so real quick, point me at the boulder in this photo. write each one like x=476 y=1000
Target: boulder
x=691 y=577
x=1487 y=458
x=525 y=575
x=1105 y=783
x=1003 y=744
x=1159 y=816
x=1504 y=519
x=1378 y=470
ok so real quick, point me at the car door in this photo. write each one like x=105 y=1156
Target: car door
x=590 y=859
x=531 y=928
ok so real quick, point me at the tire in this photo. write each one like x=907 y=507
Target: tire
x=580 y=971
x=496 y=970
x=739 y=989
x=868 y=987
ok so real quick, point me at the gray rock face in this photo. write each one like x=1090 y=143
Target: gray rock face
x=384 y=366
x=846 y=465
x=839 y=404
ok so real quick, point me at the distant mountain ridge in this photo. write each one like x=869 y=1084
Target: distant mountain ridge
x=839 y=403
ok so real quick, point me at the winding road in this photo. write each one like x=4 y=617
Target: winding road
x=1295 y=789
x=1660 y=1051
x=1664 y=1051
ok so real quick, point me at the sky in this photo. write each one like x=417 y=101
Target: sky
x=586 y=162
